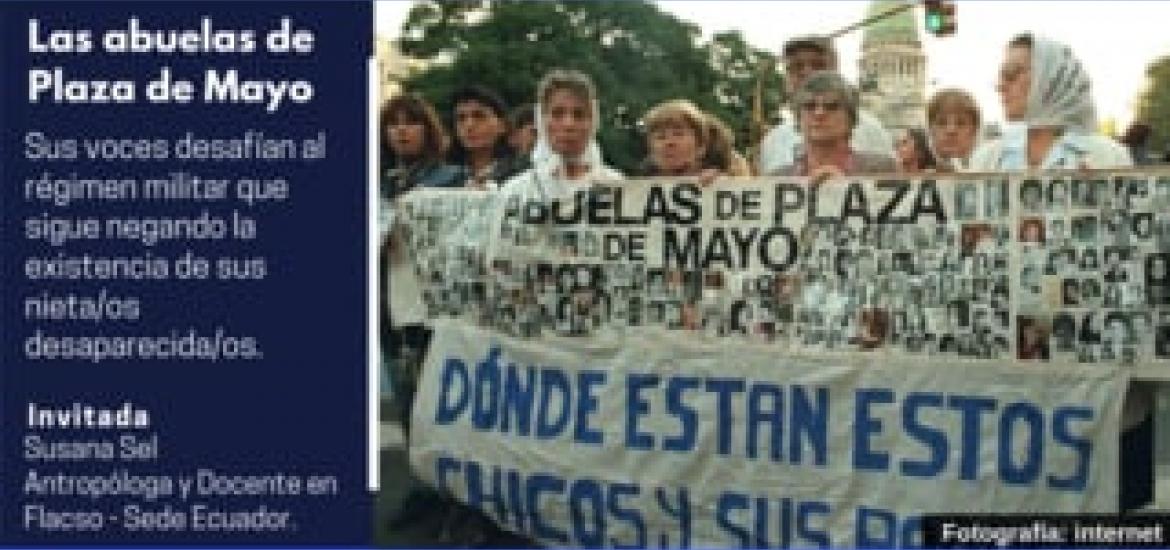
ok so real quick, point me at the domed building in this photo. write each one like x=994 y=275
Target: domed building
x=892 y=68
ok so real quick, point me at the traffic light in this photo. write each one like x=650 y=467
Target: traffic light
x=940 y=17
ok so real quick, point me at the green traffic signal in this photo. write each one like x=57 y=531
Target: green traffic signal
x=934 y=22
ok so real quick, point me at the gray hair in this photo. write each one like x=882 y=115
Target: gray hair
x=828 y=82
x=576 y=82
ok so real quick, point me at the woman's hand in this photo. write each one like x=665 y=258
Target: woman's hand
x=708 y=176
x=824 y=173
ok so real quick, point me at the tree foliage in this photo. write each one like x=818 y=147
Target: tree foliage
x=635 y=53
x=1154 y=104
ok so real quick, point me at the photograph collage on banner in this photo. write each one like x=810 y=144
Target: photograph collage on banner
x=1060 y=267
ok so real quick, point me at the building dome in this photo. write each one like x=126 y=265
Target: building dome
x=901 y=28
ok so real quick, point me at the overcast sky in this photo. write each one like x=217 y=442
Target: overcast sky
x=1115 y=40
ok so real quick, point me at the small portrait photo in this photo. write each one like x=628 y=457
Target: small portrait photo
x=1142 y=226
x=1060 y=261
x=564 y=317
x=741 y=317
x=1084 y=229
x=1032 y=338
x=569 y=243
x=1089 y=260
x=1157 y=270
x=1115 y=227
x=1118 y=328
x=1139 y=189
x=947 y=344
x=1077 y=189
x=995 y=198
x=1064 y=332
x=714 y=279
x=1100 y=193
x=1031 y=230
x=845 y=265
x=634 y=311
x=673 y=316
x=1162 y=342
x=1071 y=293
x=1162 y=193
x=966 y=201
x=637 y=278
x=958 y=313
x=1112 y=297
x=1058 y=231
x=874 y=325
x=787 y=288
x=971 y=235
x=1116 y=258
x=1057 y=195
x=1090 y=292
x=590 y=244
x=1083 y=194
x=527 y=235
x=1163 y=234
x=1031 y=195
x=655 y=282
x=904 y=262
x=545 y=277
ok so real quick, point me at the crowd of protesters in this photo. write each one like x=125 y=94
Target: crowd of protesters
x=542 y=150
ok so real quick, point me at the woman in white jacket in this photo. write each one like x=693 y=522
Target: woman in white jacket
x=1052 y=124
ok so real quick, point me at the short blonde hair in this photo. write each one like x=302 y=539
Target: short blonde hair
x=678 y=112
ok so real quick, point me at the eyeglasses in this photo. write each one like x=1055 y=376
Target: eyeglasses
x=827 y=106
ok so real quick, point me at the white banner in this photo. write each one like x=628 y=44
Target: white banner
x=663 y=439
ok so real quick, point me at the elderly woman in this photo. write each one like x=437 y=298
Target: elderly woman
x=685 y=141
x=827 y=113
x=566 y=153
x=1047 y=100
x=913 y=151
x=953 y=119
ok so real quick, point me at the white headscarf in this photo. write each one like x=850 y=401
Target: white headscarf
x=1060 y=94
x=548 y=163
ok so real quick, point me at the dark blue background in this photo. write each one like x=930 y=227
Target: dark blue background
x=300 y=410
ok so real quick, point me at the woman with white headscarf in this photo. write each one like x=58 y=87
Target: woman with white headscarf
x=566 y=151
x=1052 y=124
x=1051 y=121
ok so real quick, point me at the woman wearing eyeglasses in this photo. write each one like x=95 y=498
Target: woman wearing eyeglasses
x=827 y=113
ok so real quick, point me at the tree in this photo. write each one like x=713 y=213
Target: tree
x=636 y=54
x=1154 y=104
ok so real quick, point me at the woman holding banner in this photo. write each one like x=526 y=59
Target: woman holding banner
x=566 y=152
x=413 y=144
x=1052 y=121
x=827 y=108
x=685 y=141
